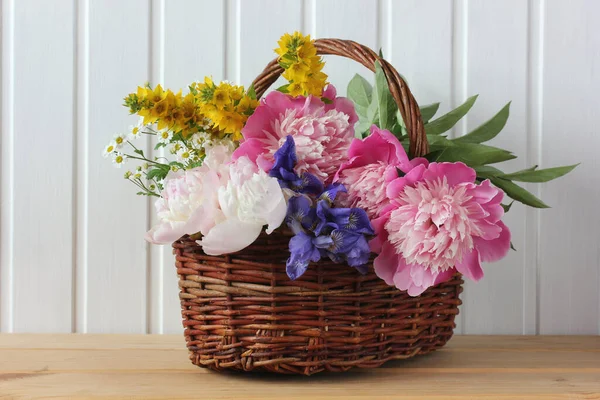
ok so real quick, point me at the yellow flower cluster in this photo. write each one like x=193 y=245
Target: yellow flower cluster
x=220 y=109
x=168 y=110
x=227 y=106
x=298 y=56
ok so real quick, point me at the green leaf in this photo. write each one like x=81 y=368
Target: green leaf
x=428 y=111
x=157 y=173
x=473 y=154
x=251 y=92
x=386 y=106
x=487 y=172
x=381 y=53
x=159 y=145
x=447 y=121
x=512 y=246
x=326 y=100
x=283 y=89
x=539 y=175
x=138 y=151
x=360 y=92
x=507 y=206
x=489 y=129
x=519 y=194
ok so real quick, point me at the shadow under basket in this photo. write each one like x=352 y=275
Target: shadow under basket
x=242 y=312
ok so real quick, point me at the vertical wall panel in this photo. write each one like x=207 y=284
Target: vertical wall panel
x=43 y=165
x=116 y=263
x=347 y=19
x=497 y=66
x=192 y=51
x=424 y=56
x=6 y=164
x=261 y=23
x=569 y=232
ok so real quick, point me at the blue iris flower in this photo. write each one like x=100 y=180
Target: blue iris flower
x=283 y=170
x=320 y=229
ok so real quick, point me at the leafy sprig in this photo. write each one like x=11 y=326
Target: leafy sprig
x=375 y=105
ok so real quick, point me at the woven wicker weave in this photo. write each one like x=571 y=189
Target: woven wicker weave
x=241 y=311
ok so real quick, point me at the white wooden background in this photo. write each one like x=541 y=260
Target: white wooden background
x=72 y=254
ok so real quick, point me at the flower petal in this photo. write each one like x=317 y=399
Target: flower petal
x=495 y=249
x=386 y=263
x=455 y=173
x=229 y=236
x=470 y=267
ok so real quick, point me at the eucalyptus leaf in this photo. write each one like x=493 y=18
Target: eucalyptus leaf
x=360 y=92
x=539 y=175
x=428 y=111
x=489 y=129
x=519 y=194
x=447 y=121
x=386 y=106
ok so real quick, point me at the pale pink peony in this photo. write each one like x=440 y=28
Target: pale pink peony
x=322 y=132
x=438 y=221
x=372 y=163
x=189 y=202
x=250 y=200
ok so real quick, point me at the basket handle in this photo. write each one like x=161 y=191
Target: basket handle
x=409 y=109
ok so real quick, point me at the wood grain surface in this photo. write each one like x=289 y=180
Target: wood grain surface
x=156 y=367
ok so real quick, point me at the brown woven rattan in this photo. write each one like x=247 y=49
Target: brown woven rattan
x=241 y=311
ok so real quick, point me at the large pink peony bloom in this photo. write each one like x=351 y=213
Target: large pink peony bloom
x=438 y=221
x=322 y=132
x=372 y=163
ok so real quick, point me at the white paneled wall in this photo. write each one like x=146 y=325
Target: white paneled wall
x=71 y=249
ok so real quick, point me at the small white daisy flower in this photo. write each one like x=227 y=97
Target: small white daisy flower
x=165 y=136
x=120 y=140
x=119 y=159
x=135 y=131
x=137 y=175
x=108 y=150
x=176 y=148
x=184 y=154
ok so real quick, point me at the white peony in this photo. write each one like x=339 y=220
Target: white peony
x=249 y=201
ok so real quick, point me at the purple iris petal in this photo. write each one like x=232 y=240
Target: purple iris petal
x=358 y=222
x=300 y=214
x=285 y=156
x=359 y=254
x=325 y=222
x=302 y=252
x=331 y=191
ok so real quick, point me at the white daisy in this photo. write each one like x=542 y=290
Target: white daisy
x=184 y=154
x=135 y=131
x=120 y=140
x=165 y=136
x=108 y=150
x=119 y=159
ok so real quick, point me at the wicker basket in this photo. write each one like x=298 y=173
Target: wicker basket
x=241 y=311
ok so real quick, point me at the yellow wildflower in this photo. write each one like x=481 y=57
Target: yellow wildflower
x=298 y=56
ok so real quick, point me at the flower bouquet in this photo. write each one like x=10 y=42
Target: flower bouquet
x=316 y=232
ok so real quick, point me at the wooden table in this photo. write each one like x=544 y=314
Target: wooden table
x=149 y=367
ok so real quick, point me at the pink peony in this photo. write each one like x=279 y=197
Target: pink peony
x=438 y=221
x=373 y=163
x=322 y=132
